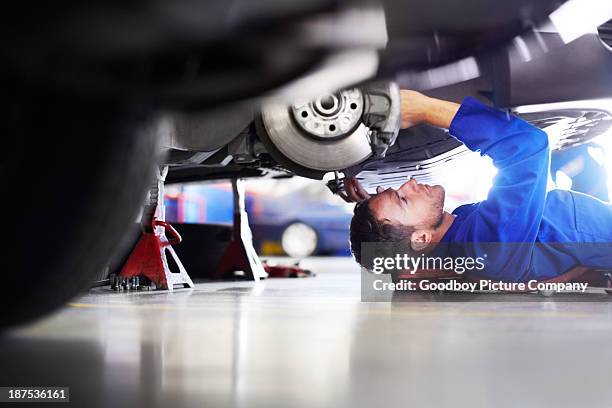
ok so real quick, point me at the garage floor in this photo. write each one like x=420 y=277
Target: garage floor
x=313 y=343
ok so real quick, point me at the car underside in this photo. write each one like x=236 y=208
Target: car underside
x=280 y=141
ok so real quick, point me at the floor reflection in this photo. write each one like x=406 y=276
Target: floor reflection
x=313 y=343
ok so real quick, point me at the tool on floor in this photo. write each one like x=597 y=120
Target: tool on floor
x=240 y=259
x=287 y=271
x=151 y=255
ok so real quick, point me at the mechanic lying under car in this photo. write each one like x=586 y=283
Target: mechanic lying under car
x=523 y=231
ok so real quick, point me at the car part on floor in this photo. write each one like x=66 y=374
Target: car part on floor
x=240 y=259
x=77 y=176
x=150 y=256
x=299 y=240
x=287 y=271
x=334 y=131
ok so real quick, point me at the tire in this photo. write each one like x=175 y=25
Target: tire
x=299 y=240
x=78 y=176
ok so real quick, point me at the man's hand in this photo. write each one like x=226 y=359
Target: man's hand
x=353 y=191
x=415 y=108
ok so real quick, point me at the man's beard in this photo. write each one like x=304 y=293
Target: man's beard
x=439 y=204
x=439 y=220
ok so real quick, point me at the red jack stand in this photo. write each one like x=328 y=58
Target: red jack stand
x=149 y=257
x=240 y=259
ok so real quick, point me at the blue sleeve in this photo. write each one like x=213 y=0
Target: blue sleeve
x=513 y=209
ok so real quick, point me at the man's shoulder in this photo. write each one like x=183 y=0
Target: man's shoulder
x=465 y=209
x=557 y=196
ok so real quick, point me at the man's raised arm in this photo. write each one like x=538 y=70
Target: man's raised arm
x=513 y=209
x=417 y=108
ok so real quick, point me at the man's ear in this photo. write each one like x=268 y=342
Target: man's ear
x=419 y=240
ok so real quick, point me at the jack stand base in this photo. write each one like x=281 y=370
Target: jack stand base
x=120 y=284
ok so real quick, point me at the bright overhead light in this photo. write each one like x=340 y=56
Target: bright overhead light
x=578 y=17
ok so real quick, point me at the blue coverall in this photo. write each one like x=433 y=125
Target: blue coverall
x=533 y=234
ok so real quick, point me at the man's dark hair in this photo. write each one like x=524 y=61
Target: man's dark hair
x=366 y=228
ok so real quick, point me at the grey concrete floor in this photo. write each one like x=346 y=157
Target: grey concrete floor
x=313 y=343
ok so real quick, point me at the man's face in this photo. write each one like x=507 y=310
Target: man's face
x=413 y=204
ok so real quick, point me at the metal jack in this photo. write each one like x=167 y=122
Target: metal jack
x=240 y=258
x=149 y=258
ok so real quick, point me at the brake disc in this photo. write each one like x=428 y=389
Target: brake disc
x=325 y=134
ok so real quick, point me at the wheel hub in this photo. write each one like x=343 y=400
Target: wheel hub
x=330 y=116
x=335 y=131
x=325 y=134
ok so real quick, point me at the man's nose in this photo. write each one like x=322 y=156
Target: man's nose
x=412 y=183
